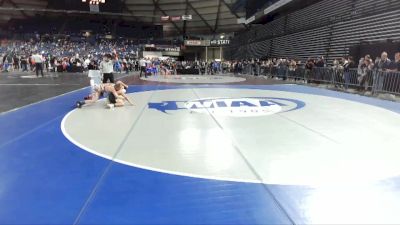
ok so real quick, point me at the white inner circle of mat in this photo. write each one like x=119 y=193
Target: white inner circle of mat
x=195 y=79
x=329 y=141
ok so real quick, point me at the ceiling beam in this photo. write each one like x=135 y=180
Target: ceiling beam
x=170 y=7
x=130 y=11
x=16 y=6
x=233 y=12
x=11 y=9
x=154 y=10
x=201 y=17
x=165 y=14
x=185 y=21
x=217 y=18
x=165 y=3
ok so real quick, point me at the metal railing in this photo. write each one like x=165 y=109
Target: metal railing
x=374 y=81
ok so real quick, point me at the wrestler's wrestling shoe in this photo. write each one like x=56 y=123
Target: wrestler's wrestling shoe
x=79 y=104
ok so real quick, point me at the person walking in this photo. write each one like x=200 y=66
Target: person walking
x=38 y=60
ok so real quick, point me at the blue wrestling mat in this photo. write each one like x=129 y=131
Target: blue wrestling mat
x=212 y=154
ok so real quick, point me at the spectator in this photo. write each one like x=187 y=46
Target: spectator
x=308 y=70
x=319 y=71
x=24 y=63
x=93 y=65
x=384 y=62
x=395 y=66
x=382 y=65
x=292 y=68
x=365 y=70
x=348 y=65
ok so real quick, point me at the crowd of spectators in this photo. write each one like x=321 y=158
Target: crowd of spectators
x=80 y=55
x=167 y=66
x=285 y=65
x=63 y=54
x=363 y=73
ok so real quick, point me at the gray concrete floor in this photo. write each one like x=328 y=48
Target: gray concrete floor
x=18 y=89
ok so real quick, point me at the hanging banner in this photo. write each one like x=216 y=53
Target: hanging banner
x=220 y=42
x=197 y=42
x=187 y=17
x=193 y=43
x=171 y=49
x=175 y=18
x=165 y=18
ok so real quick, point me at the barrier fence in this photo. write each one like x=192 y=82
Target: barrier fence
x=370 y=80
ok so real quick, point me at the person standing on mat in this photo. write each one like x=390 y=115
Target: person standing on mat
x=38 y=60
x=107 y=69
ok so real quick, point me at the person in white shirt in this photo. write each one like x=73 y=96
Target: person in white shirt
x=86 y=63
x=107 y=69
x=38 y=59
x=142 y=64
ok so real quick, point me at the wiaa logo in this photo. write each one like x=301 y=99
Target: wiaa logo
x=235 y=107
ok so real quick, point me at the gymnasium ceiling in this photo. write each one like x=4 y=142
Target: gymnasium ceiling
x=209 y=16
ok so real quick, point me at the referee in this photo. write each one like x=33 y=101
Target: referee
x=107 y=69
x=38 y=59
x=142 y=64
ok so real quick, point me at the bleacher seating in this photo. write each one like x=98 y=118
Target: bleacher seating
x=348 y=33
x=302 y=45
x=327 y=28
x=319 y=14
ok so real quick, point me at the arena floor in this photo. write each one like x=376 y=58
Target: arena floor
x=251 y=151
